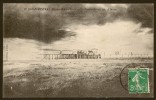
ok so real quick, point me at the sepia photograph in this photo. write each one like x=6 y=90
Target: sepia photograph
x=57 y=50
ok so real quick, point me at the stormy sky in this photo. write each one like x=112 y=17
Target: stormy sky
x=110 y=27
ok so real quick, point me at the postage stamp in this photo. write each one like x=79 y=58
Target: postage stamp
x=138 y=81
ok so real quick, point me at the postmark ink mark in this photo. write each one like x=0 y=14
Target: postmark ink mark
x=131 y=82
x=124 y=75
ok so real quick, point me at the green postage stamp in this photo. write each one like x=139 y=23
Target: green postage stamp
x=138 y=80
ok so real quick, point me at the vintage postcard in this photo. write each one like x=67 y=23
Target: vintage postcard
x=78 y=50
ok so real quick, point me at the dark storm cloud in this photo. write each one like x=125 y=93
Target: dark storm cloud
x=38 y=25
x=48 y=26
x=143 y=13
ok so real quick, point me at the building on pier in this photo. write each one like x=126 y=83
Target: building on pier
x=49 y=54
